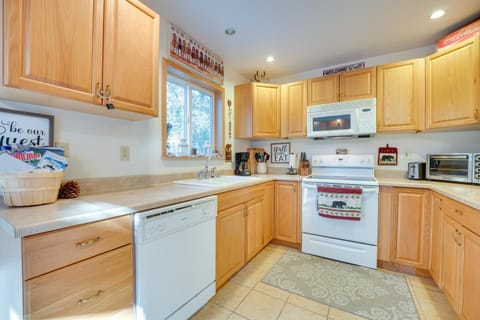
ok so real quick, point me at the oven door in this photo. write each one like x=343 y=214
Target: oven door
x=362 y=231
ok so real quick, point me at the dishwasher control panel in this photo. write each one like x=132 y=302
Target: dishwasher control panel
x=161 y=222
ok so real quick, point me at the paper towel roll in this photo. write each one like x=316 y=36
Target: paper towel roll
x=292 y=162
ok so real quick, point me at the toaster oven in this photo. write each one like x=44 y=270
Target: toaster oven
x=455 y=167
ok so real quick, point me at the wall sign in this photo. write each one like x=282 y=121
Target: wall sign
x=191 y=53
x=387 y=156
x=349 y=67
x=25 y=128
x=280 y=152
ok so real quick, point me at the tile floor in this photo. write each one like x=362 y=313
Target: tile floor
x=245 y=297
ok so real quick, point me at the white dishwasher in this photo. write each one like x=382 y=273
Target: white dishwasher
x=175 y=259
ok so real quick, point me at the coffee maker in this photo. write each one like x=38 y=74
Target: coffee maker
x=241 y=164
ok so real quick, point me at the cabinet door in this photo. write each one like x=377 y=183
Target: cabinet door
x=323 y=89
x=254 y=228
x=131 y=53
x=358 y=84
x=471 y=276
x=436 y=239
x=452 y=261
x=102 y=286
x=385 y=216
x=266 y=111
x=286 y=202
x=401 y=96
x=411 y=225
x=230 y=242
x=268 y=212
x=452 y=86
x=294 y=109
x=54 y=46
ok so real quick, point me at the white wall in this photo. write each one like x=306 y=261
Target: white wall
x=95 y=139
x=411 y=146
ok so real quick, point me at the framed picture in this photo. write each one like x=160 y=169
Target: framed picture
x=25 y=128
x=280 y=152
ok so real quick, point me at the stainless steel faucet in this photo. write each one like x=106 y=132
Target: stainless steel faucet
x=206 y=165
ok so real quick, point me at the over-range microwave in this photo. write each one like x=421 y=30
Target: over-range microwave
x=356 y=118
x=456 y=167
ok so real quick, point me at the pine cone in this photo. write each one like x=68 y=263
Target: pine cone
x=69 y=190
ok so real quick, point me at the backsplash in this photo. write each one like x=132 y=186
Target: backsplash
x=411 y=146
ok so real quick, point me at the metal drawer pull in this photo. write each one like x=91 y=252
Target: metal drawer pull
x=87 y=300
x=86 y=242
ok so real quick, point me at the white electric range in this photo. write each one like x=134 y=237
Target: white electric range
x=352 y=240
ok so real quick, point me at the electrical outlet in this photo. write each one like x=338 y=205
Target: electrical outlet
x=124 y=153
x=65 y=146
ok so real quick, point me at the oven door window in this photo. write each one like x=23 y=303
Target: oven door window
x=332 y=123
x=449 y=166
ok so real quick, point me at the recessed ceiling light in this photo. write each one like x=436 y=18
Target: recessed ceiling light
x=230 y=31
x=437 y=14
x=270 y=59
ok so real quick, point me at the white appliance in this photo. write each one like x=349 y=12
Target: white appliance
x=356 y=118
x=175 y=259
x=350 y=241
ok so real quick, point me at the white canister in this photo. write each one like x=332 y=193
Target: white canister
x=261 y=167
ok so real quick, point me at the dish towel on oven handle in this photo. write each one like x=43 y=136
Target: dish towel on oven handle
x=339 y=202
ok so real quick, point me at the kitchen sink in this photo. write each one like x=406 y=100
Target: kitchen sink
x=217 y=182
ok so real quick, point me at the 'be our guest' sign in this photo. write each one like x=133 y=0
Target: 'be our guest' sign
x=280 y=152
x=25 y=128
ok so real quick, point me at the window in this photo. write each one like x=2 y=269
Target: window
x=192 y=114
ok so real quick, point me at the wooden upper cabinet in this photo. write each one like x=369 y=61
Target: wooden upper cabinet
x=54 y=46
x=358 y=84
x=294 y=109
x=351 y=85
x=401 y=96
x=323 y=89
x=75 y=49
x=257 y=110
x=453 y=86
x=131 y=56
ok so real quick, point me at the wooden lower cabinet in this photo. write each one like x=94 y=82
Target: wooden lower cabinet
x=254 y=231
x=436 y=239
x=97 y=282
x=385 y=216
x=244 y=225
x=230 y=242
x=411 y=227
x=97 y=288
x=268 y=212
x=287 y=212
x=461 y=259
x=452 y=258
x=471 y=275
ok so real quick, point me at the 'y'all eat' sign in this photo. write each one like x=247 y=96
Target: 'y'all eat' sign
x=280 y=152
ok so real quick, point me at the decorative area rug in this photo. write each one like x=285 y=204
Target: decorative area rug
x=365 y=292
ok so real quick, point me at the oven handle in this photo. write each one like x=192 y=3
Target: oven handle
x=364 y=190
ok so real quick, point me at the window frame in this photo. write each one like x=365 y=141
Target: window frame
x=195 y=81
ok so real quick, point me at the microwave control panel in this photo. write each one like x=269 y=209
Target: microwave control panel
x=476 y=168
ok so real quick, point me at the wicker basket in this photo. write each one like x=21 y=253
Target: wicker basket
x=29 y=189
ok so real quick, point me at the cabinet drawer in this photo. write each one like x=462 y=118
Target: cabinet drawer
x=97 y=288
x=52 y=250
x=466 y=215
x=233 y=198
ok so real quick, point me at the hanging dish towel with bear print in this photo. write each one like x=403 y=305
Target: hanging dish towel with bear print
x=339 y=202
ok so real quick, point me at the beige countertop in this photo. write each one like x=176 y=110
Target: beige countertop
x=24 y=221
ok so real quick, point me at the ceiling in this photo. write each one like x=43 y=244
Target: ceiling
x=308 y=34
